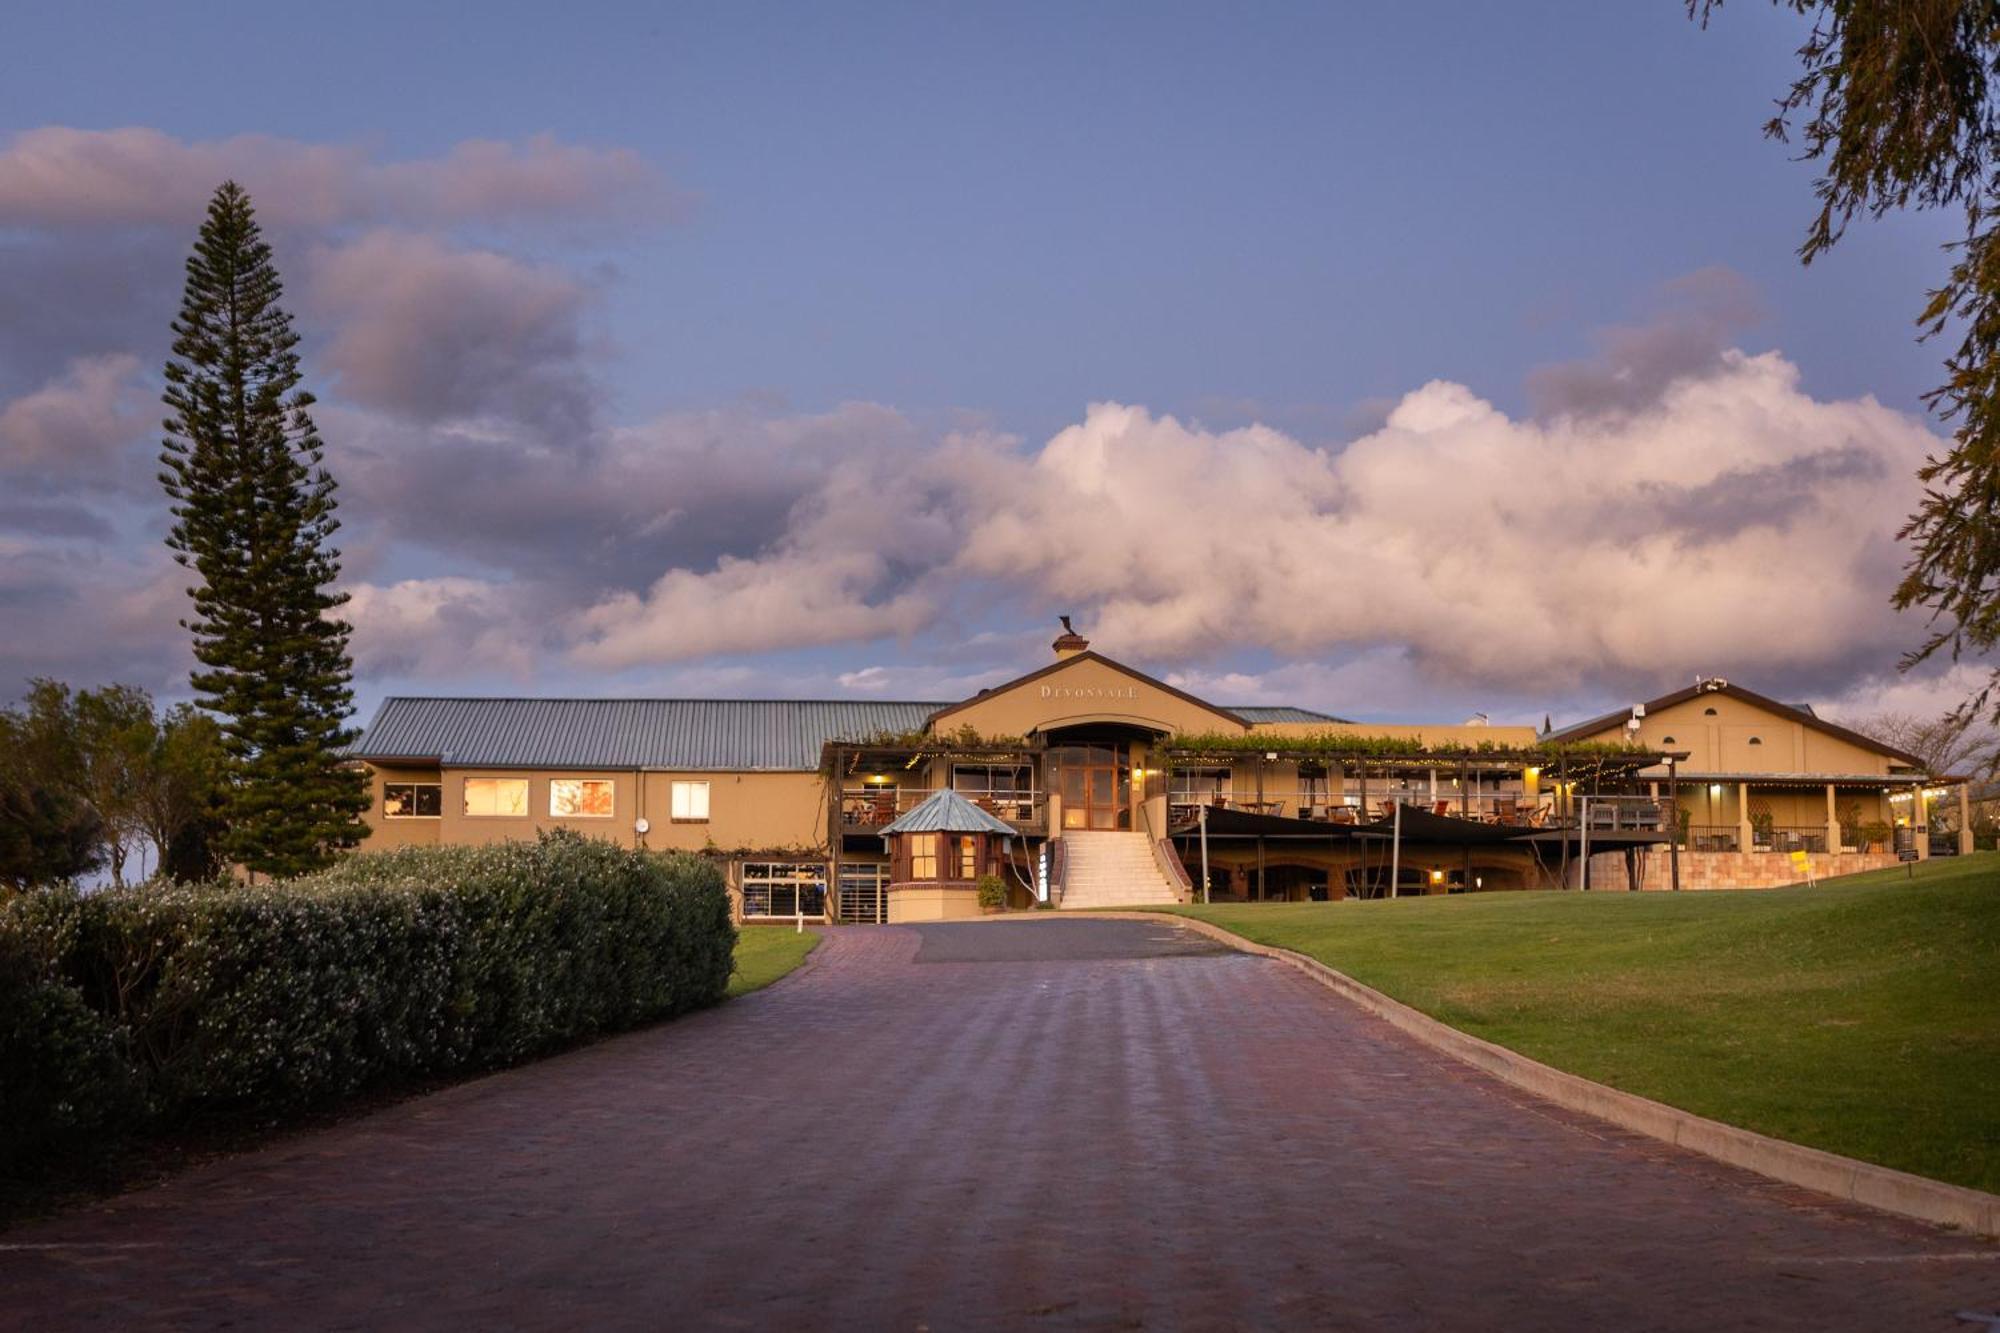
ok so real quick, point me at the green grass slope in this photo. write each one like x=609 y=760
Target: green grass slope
x=766 y=953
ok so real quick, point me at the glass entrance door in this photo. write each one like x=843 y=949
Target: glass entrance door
x=1095 y=782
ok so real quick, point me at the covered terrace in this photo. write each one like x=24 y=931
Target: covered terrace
x=1340 y=816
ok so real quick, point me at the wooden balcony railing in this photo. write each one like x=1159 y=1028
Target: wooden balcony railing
x=1487 y=807
x=865 y=808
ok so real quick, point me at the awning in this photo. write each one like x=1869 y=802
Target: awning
x=1418 y=826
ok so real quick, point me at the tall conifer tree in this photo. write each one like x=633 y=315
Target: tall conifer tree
x=253 y=509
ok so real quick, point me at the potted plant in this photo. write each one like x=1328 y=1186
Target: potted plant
x=992 y=894
x=1874 y=835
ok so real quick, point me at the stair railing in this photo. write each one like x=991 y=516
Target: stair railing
x=1168 y=859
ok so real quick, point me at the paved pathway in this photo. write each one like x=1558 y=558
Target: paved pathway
x=1048 y=1124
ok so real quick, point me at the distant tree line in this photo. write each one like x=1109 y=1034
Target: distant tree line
x=92 y=779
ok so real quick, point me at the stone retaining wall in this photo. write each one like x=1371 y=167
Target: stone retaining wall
x=1752 y=870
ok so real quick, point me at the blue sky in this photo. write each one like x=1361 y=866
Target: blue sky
x=982 y=222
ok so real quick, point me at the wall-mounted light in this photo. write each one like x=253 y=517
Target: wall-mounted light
x=1271 y=756
x=1715 y=789
x=1437 y=876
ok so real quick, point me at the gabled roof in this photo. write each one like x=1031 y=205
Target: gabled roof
x=945 y=811
x=718 y=734
x=1786 y=711
x=1087 y=656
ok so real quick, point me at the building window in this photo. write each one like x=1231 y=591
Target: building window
x=968 y=858
x=1198 y=786
x=412 y=800
x=496 y=798
x=1708 y=712
x=923 y=856
x=1666 y=740
x=580 y=798
x=1756 y=740
x=783 y=888
x=1007 y=790
x=690 y=803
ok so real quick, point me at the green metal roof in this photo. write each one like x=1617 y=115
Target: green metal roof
x=1281 y=713
x=779 y=735
x=691 y=734
x=945 y=811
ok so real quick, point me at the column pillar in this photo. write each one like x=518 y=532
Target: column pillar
x=1920 y=822
x=1832 y=821
x=1965 y=819
x=1743 y=816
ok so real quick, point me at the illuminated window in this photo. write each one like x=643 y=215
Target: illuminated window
x=496 y=798
x=968 y=858
x=412 y=800
x=923 y=856
x=580 y=798
x=785 y=888
x=690 y=803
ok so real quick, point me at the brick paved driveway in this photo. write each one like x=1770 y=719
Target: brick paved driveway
x=1046 y=1124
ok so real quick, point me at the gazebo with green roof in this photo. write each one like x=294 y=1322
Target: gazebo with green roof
x=937 y=853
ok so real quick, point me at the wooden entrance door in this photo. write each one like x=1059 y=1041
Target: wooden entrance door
x=1095 y=782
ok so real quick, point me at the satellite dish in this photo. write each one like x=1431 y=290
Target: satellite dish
x=642 y=826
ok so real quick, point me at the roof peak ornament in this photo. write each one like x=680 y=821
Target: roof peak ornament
x=1069 y=643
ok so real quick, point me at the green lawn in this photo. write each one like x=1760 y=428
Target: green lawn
x=1861 y=1016
x=765 y=953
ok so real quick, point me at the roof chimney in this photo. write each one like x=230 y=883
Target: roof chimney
x=1069 y=643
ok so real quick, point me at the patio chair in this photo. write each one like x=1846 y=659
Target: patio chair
x=1442 y=808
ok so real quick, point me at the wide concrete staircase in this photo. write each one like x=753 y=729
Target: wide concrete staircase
x=1112 y=869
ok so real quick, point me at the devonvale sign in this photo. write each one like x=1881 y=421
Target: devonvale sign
x=1098 y=693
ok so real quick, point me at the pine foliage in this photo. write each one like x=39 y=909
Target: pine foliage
x=253 y=508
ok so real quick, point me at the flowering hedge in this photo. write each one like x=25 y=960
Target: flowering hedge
x=153 y=1001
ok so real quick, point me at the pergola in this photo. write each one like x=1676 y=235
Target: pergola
x=1579 y=775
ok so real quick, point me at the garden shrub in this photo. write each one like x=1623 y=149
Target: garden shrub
x=413 y=962
x=63 y=1076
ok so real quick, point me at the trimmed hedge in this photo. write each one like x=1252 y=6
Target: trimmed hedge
x=146 y=1004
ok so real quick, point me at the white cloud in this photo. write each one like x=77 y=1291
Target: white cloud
x=58 y=176
x=1733 y=525
x=442 y=627
x=431 y=332
x=1922 y=694
x=1736 y=524
x=72 y=428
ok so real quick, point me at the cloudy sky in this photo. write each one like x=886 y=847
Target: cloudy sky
x=1400 y=363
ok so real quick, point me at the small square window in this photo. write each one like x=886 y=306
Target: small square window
x=581 y=798
x=968 y=858
x=690 y=803
x=412 y=800
x=496 y=798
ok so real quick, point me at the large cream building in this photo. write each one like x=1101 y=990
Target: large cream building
x=1119 y=787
